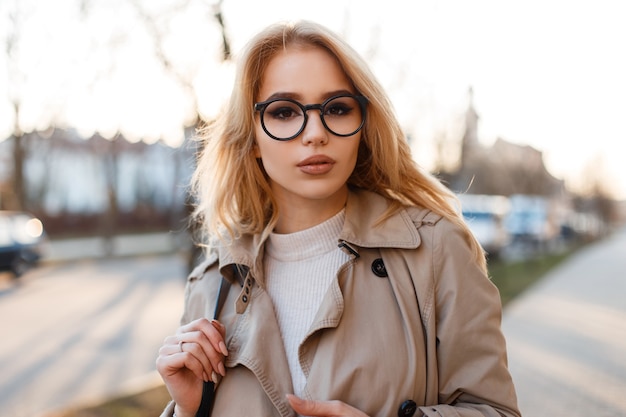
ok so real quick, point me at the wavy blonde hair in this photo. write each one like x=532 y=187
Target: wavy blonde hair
x=230 y=185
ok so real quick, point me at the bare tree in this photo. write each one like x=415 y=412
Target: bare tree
x=157 y=26
x=595 y=190
x=219 y=16
x=16 y=19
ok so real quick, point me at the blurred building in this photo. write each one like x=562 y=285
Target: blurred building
x=504 y=168
x=541 y=209
x=69 y=176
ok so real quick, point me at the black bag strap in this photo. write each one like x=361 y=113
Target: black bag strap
x=208 y=388
x=222 y=293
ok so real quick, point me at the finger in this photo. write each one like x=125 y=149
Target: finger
x=171 y=365
x=170 y=348
x=310 y=408
x=205 y=340
x=197 y=344
x=173 y=345
x=214 y=331
x=222 y=329
x=193 y=325
x=323 y=408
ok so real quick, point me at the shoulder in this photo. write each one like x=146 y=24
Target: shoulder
x=442 y=240
x=421 y=216
x=435 y=230
x=373 y=220
x=204 y=267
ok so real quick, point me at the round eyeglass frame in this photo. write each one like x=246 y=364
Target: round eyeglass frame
x=262 y=106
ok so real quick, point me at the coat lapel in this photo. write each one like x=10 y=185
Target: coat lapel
x=256 y=344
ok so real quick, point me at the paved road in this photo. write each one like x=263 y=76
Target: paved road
x=567 y=336
x=78 y=331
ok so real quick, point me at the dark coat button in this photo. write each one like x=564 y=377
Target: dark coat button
x=407 y=409
x=378 y=268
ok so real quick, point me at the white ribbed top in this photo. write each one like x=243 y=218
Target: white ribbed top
x=299 y=267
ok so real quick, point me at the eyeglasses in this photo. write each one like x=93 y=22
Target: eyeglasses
x=284 y=119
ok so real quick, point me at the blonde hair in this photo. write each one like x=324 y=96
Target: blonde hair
x=231 y=187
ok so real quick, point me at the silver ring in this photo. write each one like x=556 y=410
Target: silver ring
x=180 y=346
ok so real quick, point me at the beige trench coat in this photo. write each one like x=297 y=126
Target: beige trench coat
x=422 y=325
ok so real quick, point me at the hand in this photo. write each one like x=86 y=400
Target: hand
x=194 y=354
x=322 y=408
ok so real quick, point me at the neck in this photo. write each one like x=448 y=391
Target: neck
x=300 y=215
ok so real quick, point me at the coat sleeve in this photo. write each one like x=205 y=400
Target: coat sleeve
x=473 y=377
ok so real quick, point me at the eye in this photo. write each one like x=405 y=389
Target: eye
x=338 y=108
x=283 y=110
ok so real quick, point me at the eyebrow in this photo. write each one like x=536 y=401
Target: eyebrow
x=297 y=97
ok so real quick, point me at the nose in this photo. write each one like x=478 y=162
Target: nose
x=314 y=132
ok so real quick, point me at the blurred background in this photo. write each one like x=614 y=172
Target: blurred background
x=498 y=99
x=517 y=106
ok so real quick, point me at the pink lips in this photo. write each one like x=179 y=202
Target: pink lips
x=316 y=165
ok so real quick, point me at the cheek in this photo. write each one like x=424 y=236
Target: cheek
x=268 y=152
x=356 y=148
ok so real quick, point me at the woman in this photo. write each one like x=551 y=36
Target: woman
x=361 y=291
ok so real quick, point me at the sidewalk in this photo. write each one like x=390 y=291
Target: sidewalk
x=567 y=336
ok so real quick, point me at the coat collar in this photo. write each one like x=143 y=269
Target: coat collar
x=363 y=210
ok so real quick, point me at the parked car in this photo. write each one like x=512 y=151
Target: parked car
x=21 y=241
x=484 y=215
x=531 y=220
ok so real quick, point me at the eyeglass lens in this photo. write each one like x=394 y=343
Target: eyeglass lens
x=285 y=119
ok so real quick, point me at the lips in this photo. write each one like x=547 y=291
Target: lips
x=315 y=165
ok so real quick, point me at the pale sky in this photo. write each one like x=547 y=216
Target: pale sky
x=547 y=73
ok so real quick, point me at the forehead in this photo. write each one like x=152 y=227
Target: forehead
x=303 y=71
